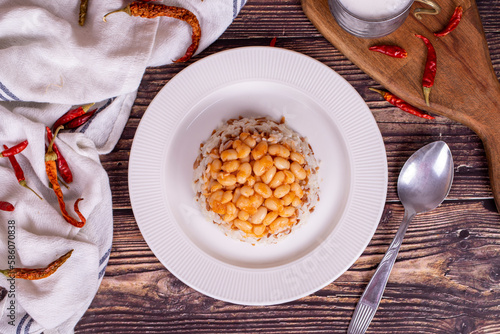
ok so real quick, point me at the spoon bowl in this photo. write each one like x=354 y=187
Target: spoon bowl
x=424 y=182
x=426 y=177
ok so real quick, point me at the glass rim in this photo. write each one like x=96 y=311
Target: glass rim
x=389 y=18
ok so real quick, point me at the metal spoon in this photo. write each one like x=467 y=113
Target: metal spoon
x=423 y=183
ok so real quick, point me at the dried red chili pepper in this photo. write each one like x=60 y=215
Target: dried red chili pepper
x=37 y=273
x=62 y=164
x=6 y=206
x=452 y=24
x=19 y=173
x=14 y=149
x=71 y=115
x=79 y=121
x=390 y=50
x=51 y=170
x=401 y=104
x=152 y=10
x=430 y=68
x=273 y=42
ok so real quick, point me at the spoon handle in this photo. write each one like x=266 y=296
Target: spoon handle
x=368 y=304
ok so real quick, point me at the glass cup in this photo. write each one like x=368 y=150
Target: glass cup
x=375 y=18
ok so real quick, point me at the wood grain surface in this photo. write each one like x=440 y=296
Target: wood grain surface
x=446 y=278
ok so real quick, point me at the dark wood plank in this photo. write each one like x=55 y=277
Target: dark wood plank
x=447 y=276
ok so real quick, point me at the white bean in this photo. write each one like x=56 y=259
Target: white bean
x=298 y=171
x=244 y=171
x=279 y=150
x=282 y=190
x=268 y=176
x=281 y=163
x=297 y=157
x=229 y=155
x=258 y=216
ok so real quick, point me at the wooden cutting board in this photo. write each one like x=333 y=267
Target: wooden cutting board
x=466 y=88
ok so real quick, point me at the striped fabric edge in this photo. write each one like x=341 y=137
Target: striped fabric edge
x=6 y=94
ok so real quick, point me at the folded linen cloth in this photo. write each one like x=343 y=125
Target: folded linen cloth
x=50 y=64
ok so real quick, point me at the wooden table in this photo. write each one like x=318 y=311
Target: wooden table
x=446 y=278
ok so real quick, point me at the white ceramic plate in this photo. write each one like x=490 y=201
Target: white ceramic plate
x=317 y=103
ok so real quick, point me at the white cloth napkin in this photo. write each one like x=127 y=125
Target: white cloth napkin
x=50 y=64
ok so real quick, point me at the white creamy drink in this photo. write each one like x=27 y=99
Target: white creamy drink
x=375 y=9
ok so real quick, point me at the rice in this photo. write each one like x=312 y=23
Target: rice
x=227 y=136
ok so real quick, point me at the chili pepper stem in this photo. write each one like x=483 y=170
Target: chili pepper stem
x=25 y=185
x=87 y=107
x=83 y=12
x=61 y=182
x=125 y=10
x=51 y=155
x=426 y=11
x=6 y=273
x=427 y=92
x=377 y=90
